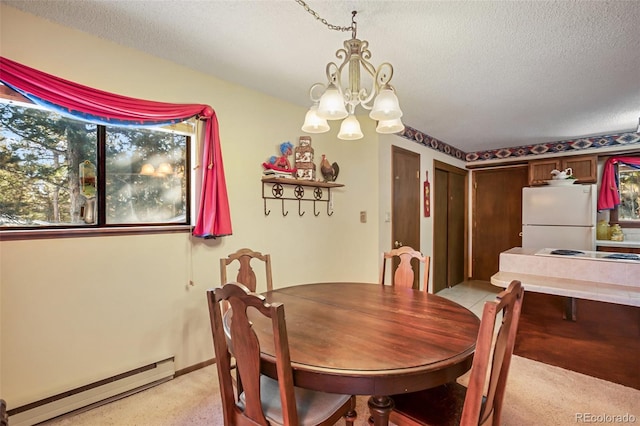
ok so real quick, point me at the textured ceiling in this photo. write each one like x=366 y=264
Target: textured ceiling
x=476 y=75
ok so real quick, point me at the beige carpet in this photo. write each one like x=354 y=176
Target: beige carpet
x=537 y=394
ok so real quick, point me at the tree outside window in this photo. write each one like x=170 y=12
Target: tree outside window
x=46 y=161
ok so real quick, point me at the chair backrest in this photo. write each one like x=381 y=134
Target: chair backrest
x=246 y=350
x=403 y=276
x=509 y=302
x=246 y=275
x=4 y=418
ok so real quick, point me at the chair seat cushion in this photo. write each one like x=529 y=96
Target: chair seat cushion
x=439 y=406
x=313 y=407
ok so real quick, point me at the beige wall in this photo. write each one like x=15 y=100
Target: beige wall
x=73 y=311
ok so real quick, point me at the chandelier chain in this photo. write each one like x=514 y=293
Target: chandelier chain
x=352 y=27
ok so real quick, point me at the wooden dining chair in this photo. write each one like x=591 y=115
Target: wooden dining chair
x=246 y=275
x=264 y=401
x=454 y=404
x=4 y=418
x=403 y=276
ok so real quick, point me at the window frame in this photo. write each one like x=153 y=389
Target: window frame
x=101 y=228
x=614 y=214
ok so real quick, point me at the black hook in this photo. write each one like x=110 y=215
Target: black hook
x=300 y=209
x=266 y=212
x=283 y=212
x=316 y=214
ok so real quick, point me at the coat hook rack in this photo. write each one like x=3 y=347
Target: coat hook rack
x=285 y=189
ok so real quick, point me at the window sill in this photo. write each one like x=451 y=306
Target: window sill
x=39 y=234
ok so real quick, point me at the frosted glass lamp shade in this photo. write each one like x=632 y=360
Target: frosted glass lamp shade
x=390 y=126
x=350 y=129
x=313 y=123
x=386 y=106
x=332 y=104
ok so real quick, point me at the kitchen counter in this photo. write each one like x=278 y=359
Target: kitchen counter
x=626 y=243
x=587 y=278
x=579 y=312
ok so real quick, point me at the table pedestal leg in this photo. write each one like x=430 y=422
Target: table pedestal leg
x=380 y=407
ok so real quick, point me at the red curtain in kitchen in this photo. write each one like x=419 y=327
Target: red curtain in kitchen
x=609 y=196
x=86 y=103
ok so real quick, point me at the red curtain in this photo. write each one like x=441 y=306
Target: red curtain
x=214 y=219
x=609 y=196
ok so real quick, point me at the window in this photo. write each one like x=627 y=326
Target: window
x=58 y=172
x=629 y=208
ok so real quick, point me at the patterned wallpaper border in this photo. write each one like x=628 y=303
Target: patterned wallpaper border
x=570 y=145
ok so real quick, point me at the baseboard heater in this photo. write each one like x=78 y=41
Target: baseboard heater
x=94 y=394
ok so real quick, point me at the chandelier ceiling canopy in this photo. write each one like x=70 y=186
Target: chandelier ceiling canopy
x=338 y=99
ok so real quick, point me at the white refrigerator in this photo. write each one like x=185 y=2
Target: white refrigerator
x=561 y=217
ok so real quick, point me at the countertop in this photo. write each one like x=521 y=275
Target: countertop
x=580 y=289
x=583 y=278
x=626 y=243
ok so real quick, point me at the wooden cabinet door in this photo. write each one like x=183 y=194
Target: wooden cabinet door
x=540 y=170
x=585 y=167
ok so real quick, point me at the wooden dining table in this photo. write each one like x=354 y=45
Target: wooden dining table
x=370 y=339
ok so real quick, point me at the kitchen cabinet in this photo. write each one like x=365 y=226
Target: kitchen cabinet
x=584 y=168
x=619 y=249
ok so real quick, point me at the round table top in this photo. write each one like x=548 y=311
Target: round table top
x=370 y=339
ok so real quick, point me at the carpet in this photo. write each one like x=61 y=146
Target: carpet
x=537 y=394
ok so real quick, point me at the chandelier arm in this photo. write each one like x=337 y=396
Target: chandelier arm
x=384 y=74
x=313 y=98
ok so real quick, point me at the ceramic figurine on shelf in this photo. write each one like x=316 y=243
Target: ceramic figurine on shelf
x=329 y=171
x=281 y=163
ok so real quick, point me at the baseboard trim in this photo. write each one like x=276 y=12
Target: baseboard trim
x=194 y=367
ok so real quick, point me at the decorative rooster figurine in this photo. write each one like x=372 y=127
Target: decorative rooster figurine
x=329 y=171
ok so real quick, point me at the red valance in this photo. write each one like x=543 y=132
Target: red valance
x=214 y=219
x=609 y=196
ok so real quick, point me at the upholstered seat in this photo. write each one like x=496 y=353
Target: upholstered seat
x=262 y=400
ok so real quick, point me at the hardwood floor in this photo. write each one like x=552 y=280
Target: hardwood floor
x=603 y=341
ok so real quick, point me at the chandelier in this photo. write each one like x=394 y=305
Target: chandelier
x=339 y=101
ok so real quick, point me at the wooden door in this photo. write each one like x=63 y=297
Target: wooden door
x=449 y=235
x=497 y=216
x=457 y=213
x=405 y=197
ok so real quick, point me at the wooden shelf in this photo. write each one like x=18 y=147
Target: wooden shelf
x=313 y=183
x=294 y=190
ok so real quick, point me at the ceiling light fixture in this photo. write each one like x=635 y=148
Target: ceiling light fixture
x=339 y=102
